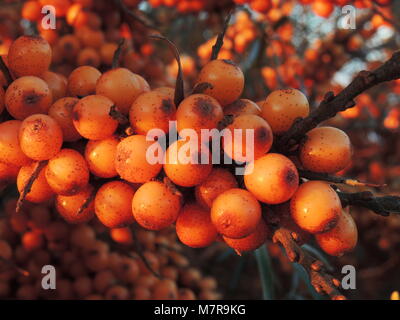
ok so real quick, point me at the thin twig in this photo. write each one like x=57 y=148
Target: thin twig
x=220 y=38
x=117 y=54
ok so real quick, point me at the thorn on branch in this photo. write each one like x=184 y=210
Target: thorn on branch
x=117 y=54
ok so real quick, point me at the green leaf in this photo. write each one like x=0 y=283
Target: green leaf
x=266 y=272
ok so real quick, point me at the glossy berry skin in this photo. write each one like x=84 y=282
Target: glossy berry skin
x=40 y=190
x=131 y=161
x=218 y=181
x=251 y=242
x=226 y=78
x=40 y=137
x=194 y=227
x=237 y=147
x=184 y=166
x=68 y=206
x=91 y=117
x=198 y=111
x=235 y=213
x=61 y=111
x=340 y=239
x=27 y=96
x=282 y=107
x=100 y=156
x=315 y=207
x=242 y=106
x=326 y=150
x=29 y=56
x=272 y=179
x=152 y=110
x=57 y=84
x=156 y=205
x=113 y=204
x=10 y=149
x=122 y=87
x=67 y=173
x=82 y=81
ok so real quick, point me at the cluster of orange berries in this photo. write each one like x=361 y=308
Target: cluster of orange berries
x=65 y=147
x=91 y=261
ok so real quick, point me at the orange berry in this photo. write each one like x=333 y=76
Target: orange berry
x=57 y=84
x=184 y=165
x=40 y=137
x=82 y=81
x=40 y=190
x=325 y=149
x=91 y=117
x=68 y=206
x=27 y=96
x=100 y=156
x=32 y=240
x=165 y=290
x=131 y=161
x=121 y=86
x=61 y=111
x=198 y=111
x=151 y=110
x=113 y=204
x=236 y=145
x=10 y=150
x=282 y=107
x=194 y=227
x=121 y=235
x=67 y=173
x=235 y=213
x=340 y=239
x=218 y=181
x=272 y=179
x=29 y=56
x=226 y=78
x=156 y=205
x=242 y=106
x=315 y=207
x=251 y=242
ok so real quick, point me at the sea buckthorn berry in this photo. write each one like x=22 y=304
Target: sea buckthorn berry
x=156 y=205
x=186 y=167
x=31 y=10
x=131 y=160
x=226 y=79
x=251 y=242
x=325 y=149
x=272 y=179
x=282 y=107
x=29 y=56
x=121 y=86
x=67 y=173
x=170 y=92
x=88 y=57
x=27 y=96
x=10 y=150
x=91 y=117
x=238 y=146
x=165 y=290
x=113 y=204
x=236 y=213
x=107 y=52
x=315 y=207
x=340 y=239
x=61 y=111
x=242 y=106
x=57 y=84
x=40 y=190
x=117 y=292
x=218 y=181
x=198 y=111
x=122 y=235
x=100 y=156
x=40 y=137
x=194 y=227
x=68 y=206
x=82 y=81
x=151 y=110
x=69 y=46
x=32 y=240
x=89 y=37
